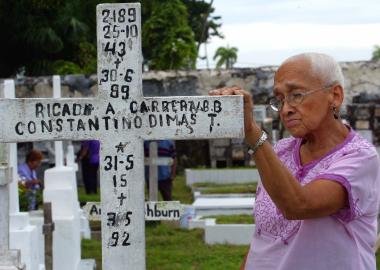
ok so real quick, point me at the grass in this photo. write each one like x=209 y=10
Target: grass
x=211 y=188
x=233 y=219
x=83 y=197
x=171 y=248
x=181 y=192
x=226 y=168
x=92 y=249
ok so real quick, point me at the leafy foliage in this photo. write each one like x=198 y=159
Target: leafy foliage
x=226 y=56
x=44 y=37
x=66 y=67
x=170 y=41
x=201 y=20
x=376 y=53
x=23 y=200
x=40 y=32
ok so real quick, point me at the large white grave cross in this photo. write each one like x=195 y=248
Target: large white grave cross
x=121 y=118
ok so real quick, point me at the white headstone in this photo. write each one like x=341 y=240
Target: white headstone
x=70 y=157
x=121 y=118
x=23 y=235
x=58 y=144
x=153 y=172
x=9 y=92
x=9 y=259
x=61 y=190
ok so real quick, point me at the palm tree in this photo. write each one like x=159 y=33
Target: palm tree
x=226 y=56
x=376 y=53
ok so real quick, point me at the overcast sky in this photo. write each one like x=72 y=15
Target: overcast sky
x=266 y=32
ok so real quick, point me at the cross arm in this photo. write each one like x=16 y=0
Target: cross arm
x=47 y=119
x=199 y=117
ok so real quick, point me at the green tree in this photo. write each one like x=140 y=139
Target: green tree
x=39 y=32
x=226 y=56
x=204 y=24
x=376 y=53
x=168 y=41
x=44 y=37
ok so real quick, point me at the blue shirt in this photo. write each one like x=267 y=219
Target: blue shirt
x=93 y=151
x=26 y=174
x=166 y=148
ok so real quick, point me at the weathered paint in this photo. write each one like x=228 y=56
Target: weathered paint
x=153 y=161
x=153 y=172
x=58 y=145
x=161 y=161
x=9 y=259
x=163 y=210
x=45 y=119
x=5 y=177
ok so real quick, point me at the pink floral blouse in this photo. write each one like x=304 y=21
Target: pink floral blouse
x=342 y=241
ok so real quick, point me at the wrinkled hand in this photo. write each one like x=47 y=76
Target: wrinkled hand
x=250 y=125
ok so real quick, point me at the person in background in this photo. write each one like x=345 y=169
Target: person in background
x=28 y=177
x=317 y=203
x=166 y=174
x=89 y=158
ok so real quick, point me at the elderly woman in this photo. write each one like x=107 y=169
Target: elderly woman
x=317 y=203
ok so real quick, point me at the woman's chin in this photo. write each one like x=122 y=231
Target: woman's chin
x=295 y=132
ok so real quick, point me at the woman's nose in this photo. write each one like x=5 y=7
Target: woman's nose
x=286 y=108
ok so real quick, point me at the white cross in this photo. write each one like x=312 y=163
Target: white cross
x=9 y=259
x=121 y=114
x=153 y=161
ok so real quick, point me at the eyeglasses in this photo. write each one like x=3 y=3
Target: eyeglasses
x=293 y=99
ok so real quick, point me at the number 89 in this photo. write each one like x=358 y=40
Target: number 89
x=124 y=91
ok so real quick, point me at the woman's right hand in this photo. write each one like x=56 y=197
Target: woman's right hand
x=251 y=128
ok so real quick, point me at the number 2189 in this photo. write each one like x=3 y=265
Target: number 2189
x=119 y=15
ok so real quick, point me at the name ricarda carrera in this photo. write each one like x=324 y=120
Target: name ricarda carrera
x=57 y=117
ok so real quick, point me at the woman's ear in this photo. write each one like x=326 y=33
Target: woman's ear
x=337 y=95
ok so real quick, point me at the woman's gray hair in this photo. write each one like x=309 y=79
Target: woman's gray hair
x=323 y=66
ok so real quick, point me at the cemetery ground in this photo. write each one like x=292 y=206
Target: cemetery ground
x=212 y=188
x=169 y=247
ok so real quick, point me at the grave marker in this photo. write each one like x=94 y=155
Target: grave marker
x=153 y=161
x=9 y=259
x=163 y=210
x=121 y=118
x=58 y=145
x=23 y=236
x=47 y=230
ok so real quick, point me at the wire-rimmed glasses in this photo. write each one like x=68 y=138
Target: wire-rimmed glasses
x=293 y=99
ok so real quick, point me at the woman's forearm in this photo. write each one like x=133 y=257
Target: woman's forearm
x=283 y=188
